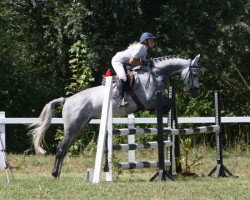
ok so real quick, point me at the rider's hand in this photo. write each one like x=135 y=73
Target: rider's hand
x=147 y=62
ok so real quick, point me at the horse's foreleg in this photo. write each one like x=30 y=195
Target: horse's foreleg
x=167 y=104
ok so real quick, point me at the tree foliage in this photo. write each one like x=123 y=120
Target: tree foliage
x=81 y=72
x=38 y=37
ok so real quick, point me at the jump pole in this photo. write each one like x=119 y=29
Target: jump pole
x=174 y=152
x=162 y=173
x=220 y=169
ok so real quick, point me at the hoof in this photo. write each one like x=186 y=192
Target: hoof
x=55 y=175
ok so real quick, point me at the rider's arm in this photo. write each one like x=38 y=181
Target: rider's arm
x=134 y=61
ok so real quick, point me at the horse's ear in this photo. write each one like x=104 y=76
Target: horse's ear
x=195 y=60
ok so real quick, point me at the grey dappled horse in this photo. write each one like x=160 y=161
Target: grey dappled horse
x=80 y=108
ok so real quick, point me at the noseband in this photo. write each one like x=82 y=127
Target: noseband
x=192 y=70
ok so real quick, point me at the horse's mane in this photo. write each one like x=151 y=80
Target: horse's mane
x=162 y=61
x=158 y=59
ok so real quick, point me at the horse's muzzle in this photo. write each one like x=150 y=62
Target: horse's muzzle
x=194 y=91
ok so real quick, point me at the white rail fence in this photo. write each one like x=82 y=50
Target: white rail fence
x=130 y=121
x=181 y=120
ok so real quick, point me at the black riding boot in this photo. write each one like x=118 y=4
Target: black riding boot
x=121 y=89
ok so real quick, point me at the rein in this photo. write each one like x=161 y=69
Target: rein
x=154 y=74
x=190 y=78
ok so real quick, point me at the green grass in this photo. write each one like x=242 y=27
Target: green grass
x=33 y=180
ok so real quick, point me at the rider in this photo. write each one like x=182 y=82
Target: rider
x=135 y=55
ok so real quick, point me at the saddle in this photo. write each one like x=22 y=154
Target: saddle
x=130 y=78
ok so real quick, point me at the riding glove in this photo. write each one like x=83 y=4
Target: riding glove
x=147 y=62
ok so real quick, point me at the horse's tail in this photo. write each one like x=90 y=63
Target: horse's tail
x=44 y=121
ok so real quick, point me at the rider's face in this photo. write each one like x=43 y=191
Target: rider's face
x=150 y=43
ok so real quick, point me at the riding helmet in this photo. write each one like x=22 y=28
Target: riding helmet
x=146 y=36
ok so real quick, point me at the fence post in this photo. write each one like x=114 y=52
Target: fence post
x=4 y=163
x=2 y=141
x=105 y=128
x=220 y=169
x=131 y=138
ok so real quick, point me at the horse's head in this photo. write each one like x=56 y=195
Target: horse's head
x=190 y=77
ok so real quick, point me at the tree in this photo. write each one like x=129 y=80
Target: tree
x=220 y=32
x=36 y=35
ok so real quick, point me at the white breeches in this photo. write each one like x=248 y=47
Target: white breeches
x=118 y=67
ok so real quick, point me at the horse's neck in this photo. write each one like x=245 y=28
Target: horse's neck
x=169 y=67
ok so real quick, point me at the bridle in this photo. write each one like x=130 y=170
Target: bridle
x=192 y=70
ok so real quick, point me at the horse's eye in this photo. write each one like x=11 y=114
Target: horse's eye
x=195 y=72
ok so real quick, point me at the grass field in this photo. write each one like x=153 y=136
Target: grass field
x=33 y=180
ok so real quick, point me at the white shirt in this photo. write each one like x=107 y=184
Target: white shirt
x=138 y=51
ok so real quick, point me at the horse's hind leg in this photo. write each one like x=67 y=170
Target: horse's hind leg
x=60 y=154
x=71 y=132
